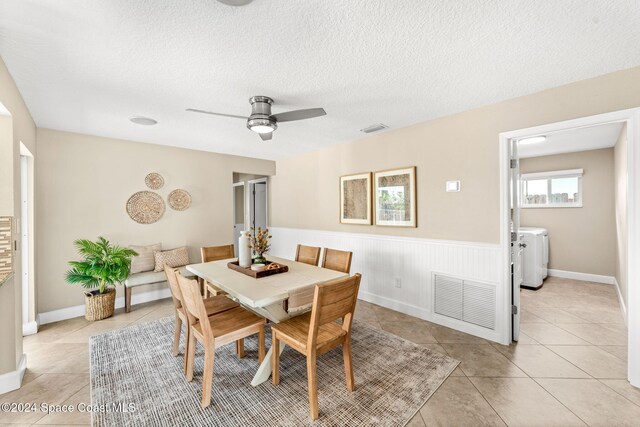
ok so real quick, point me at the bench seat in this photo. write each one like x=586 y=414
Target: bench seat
x=146 y=278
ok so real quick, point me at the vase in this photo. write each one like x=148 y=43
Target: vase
x=260 y=260
x=244 y=252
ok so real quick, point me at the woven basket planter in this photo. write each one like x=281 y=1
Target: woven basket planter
x=99 y=306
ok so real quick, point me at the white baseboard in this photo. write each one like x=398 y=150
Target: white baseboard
x=30 y=328
x=13 y=380
x=429 y=316
x=78 y=310
x=607 y=280
x=623 y=307
x=396 y=305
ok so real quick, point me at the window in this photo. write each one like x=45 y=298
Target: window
x=556 y=189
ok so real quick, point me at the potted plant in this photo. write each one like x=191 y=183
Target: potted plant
x=103 y=266
x=259 y=242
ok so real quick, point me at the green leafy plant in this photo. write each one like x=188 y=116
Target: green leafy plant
x=103 y=264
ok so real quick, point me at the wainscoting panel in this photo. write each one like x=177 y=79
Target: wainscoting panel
x=397 y=272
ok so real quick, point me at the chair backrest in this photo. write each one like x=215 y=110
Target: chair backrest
x=193 y=303
x=308 y=254
x=334 y=259
x=176 y=293
x=215 y=253
x=331 y=301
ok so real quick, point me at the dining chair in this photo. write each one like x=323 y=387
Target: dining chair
x=317 y=332
x=215 y=253
x=308 y=254
x=213 y=305
x=212 y=332
x=334 y=259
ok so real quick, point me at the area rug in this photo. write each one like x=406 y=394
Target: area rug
x=136 y=381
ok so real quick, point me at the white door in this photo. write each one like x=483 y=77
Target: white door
x=516 y=243
x=258 y=204
x=238 y=213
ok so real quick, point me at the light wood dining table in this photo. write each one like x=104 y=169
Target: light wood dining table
x=266 y=296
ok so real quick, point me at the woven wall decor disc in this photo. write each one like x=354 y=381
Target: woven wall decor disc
x=145 y=207
x=154 y=180
x=179 y=200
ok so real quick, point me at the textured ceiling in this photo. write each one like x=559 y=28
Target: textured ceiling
x=88 y=65
x=573 y=140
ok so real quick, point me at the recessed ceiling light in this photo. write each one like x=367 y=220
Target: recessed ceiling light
x=146 y=121
x=235 y=2
x=533 y=140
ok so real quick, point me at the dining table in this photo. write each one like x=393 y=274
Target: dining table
x=277 y=297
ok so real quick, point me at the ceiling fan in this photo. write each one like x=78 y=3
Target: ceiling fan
x=262 y=121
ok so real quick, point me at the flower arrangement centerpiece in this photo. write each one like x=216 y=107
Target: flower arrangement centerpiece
x=259 y=243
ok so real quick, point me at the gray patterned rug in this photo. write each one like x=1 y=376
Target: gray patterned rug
x=134 y=366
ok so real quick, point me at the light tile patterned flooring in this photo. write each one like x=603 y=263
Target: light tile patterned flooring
x=569 y=367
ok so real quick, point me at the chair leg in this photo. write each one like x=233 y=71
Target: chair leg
x=207 y=379
x=312 y=379
x=191 y=354
x=127 y=299
x=176 y=336
x=261 y=349
x=187 y=338
x=240 y=348
x=348 y=365
x=275 y=359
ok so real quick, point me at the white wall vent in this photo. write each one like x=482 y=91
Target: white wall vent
x=465 y=300
x=448 y=296
x=374 y=128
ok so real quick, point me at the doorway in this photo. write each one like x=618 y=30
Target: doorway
x=238 y=212
x=511 y=238
x=258 y=203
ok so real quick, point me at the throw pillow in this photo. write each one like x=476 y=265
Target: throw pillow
x=173 y=258
x=145 y=260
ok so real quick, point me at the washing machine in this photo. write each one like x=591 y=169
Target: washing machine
x=535 y=256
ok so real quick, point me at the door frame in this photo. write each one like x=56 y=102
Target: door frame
x=632 y=119
x=30 y=320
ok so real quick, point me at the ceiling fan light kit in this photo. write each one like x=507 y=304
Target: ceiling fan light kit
x=262 y=121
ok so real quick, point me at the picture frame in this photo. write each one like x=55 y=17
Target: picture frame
x=395 y=202
x=355 y=199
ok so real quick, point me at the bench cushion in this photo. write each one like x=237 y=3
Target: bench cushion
x=149 y=277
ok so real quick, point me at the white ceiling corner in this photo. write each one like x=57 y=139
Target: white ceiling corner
x=88 y=65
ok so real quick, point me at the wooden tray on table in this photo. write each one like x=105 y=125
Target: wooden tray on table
x=258 y=274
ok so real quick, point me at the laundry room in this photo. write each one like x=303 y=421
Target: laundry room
x=572 y=206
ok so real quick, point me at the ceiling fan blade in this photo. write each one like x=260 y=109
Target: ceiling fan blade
x=193 y=110
x=290 y=116
x=266 y=136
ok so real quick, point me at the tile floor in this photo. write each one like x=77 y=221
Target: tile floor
x=569 y=367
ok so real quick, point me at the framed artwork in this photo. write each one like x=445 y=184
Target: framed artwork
x=355 y=199
x=395 y=197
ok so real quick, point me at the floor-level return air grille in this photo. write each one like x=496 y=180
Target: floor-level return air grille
x=465 y=300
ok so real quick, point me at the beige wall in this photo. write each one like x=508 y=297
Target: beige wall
x=582 y=239
x=23 y=130
x=620 y=161
x=462 y=146
x=84 y=183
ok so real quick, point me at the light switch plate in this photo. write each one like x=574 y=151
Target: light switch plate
x=453 y=186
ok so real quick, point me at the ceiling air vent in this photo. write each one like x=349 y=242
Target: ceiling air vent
x=374 y=128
